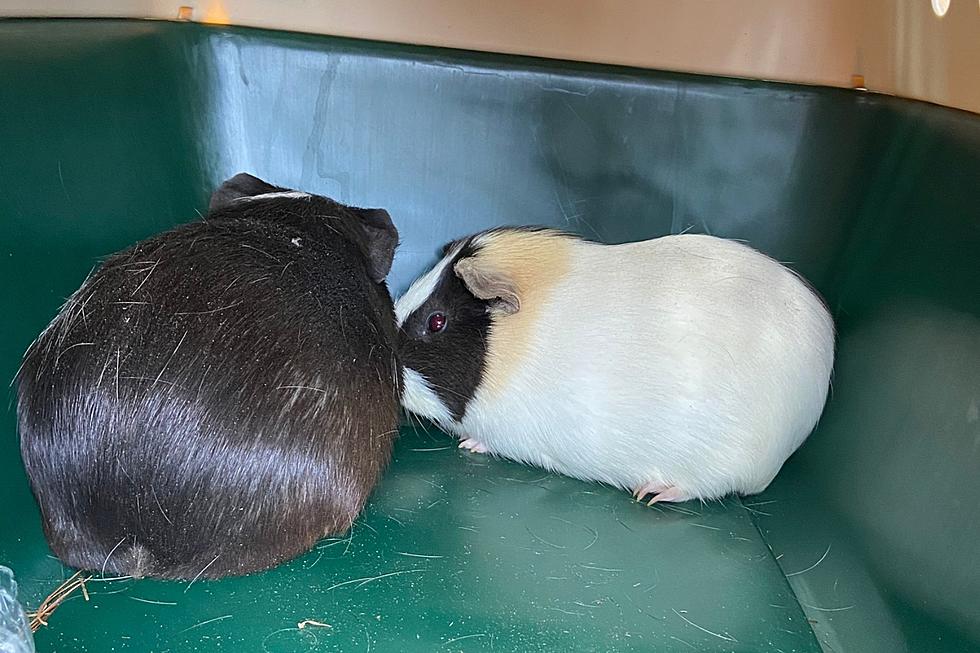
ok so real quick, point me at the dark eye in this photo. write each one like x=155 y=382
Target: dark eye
x=437 y=322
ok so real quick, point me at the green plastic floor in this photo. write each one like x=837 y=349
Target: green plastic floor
x=867 y=541
x=458 y=552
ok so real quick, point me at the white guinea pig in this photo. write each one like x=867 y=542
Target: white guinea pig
x=684 y=367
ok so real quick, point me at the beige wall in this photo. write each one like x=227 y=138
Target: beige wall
x=898 y=46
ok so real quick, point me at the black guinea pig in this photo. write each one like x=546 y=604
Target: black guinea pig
x=215 y=399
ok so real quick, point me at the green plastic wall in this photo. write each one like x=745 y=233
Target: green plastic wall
x=868 y=541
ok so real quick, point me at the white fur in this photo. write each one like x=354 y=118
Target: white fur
x=686 y=361
x=422 y=288
x=264 y=196
x=421 y=399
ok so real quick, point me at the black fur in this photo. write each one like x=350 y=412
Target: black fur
x=240 y=186
x=382 y=239
x=215 y=399
x=452 y=360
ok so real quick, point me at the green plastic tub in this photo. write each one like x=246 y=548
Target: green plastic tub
x=869 y=540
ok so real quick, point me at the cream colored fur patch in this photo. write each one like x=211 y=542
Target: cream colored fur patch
x=534 y=262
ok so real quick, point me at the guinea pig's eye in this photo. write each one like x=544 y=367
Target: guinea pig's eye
x=437 y=322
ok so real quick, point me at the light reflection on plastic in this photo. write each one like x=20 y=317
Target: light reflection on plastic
x=940 y=7
x=217 y=15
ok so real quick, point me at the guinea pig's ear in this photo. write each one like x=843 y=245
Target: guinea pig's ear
x=448 y=246
x=239 y=186
x=381 y=241
x=487 y=282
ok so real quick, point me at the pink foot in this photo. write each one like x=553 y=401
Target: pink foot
x=473 y=445
x=660 y=493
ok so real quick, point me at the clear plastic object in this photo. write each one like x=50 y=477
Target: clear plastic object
x=15 y=633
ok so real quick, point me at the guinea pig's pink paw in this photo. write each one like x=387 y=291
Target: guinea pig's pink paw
x=660 y=493
x=473 y=445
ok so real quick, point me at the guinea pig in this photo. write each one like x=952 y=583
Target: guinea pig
x=683 y=367
x=213 y=400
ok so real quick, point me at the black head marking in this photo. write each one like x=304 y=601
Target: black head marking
x=451 y=360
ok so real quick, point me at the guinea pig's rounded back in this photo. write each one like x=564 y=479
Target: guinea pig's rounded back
x=211 y=401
